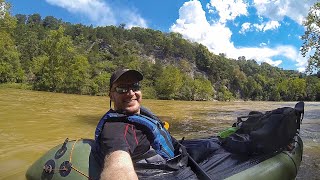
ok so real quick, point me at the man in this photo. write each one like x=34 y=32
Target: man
x=124 y=134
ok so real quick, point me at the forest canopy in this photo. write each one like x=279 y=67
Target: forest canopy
x=48 y=54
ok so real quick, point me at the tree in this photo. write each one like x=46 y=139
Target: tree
x=50 y=22
x=80 y=58
x=203 y=57
x=77 y=75
x=101 y=84
x=34 y=19
x=60 y=69
x=253 y=89
x=202 y=89
x=28 y=46
x=297 y=89
x=10 y=68
x=187 y=90
x=21 y=18
x=169 y=83
x=311 y=38
x=313 y=88
x=283 y=89
x=224 y=94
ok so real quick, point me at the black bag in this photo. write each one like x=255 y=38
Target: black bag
x=265 y=132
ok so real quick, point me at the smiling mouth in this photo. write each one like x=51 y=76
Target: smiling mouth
x=131 y=100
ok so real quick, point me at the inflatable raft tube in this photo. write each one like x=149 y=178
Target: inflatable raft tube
x=74 y=160
x=70 y=160
x=284 y=165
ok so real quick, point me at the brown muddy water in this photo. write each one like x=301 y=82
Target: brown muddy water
x=33 y=122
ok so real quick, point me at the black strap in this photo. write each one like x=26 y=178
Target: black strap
x=299 y=107
x=201 y=173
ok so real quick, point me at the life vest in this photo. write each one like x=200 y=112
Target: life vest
x=161 y=139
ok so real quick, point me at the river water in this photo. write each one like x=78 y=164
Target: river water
x=33 y=122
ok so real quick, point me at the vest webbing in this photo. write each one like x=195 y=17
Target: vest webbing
x=161 y=139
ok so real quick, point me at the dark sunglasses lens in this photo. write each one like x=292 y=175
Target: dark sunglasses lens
x=134 y=87
x=121 y=90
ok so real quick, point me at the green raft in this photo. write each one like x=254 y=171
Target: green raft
x=74 y=160
x=282 y=166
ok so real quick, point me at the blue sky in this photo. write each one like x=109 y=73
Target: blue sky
x=264 y=30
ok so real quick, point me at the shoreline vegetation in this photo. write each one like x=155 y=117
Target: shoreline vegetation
x=48 y=54
x=24 y=86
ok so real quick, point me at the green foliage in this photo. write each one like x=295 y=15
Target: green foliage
x=203 y=57
x=28 y=46
x=187 y=91
x=202 y=89
x=169 y=83
x=21 y=18
x=311 y=38
x=313 y=88
x=52 y=55
x=60 y=69
x=198 y=89
x=224 y=94
x=34 y=20
x=149 y=92
x=50 y=22
x=10 y=67
x=238 y=82
x=100 y=84
x=292 y=89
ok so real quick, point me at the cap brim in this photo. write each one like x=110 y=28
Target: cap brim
x=132 y=73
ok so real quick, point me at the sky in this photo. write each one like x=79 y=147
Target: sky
x=263 y=30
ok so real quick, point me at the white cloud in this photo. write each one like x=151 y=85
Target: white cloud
x=278 y=9
x=271 y=25
x=100 y=13
x=262 y=44
x=263 y=54
x=258 y=27
x=245 y=27
x=228 y=9
x=132 y=18
x=193 y=25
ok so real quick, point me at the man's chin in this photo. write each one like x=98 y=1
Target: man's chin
x=132 y=110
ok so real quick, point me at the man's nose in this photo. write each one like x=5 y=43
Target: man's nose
x=130 y=92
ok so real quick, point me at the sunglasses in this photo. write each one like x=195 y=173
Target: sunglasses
x=122 y=89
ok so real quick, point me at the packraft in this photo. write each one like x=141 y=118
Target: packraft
x=74 y=159
x=161 y=139
x=259 y=133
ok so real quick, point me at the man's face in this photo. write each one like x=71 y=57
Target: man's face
x=128 y=102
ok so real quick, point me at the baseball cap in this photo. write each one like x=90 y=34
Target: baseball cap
x=117 y=74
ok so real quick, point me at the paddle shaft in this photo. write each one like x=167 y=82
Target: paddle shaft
x=195 y=166
x=203 y=175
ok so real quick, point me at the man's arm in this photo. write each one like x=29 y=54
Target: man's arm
x=118 y=165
